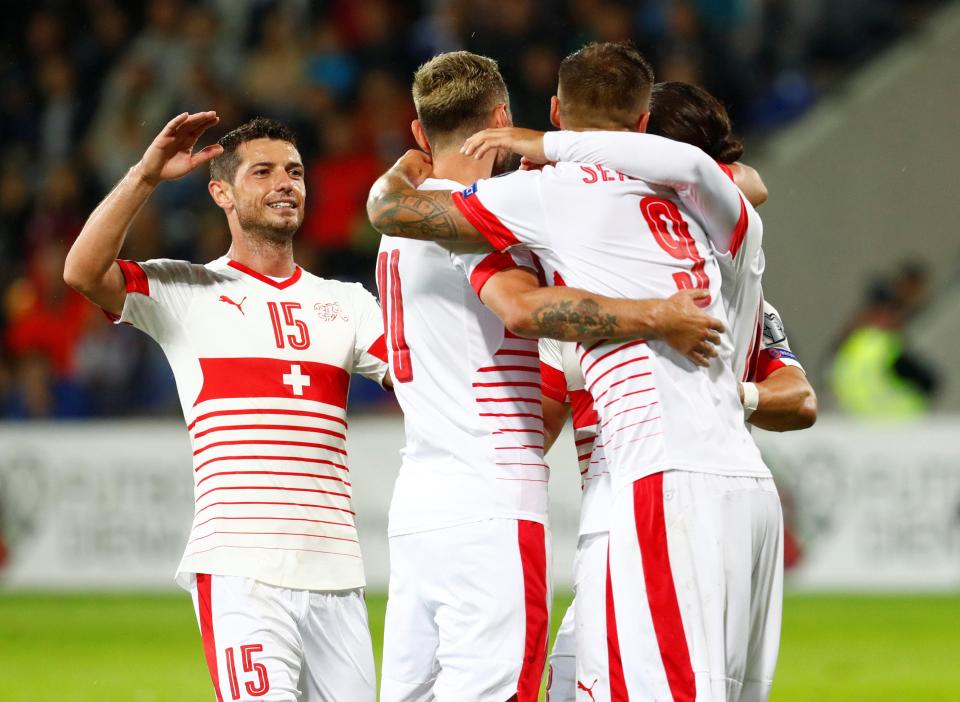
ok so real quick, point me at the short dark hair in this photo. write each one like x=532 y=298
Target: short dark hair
x=688 y=113
x=224 y=166
x=454 y=94
x=605 y=85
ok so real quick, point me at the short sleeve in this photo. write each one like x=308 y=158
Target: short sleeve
x=775 y=350
x=370 y=349
x=507 y=210
x=159 y=294
x=479 y=268
x=553 y=381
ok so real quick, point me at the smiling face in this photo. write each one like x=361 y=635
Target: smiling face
x=267 y=194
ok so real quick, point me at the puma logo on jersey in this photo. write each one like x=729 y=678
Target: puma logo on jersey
x=238 y=305
x=588 y=690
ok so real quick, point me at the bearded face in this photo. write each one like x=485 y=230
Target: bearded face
x=269 y=190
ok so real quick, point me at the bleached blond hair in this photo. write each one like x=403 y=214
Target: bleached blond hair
x=454 y=94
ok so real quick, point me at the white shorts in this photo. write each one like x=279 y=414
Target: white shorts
x=578 y=661
x=271 y=643
x=468 y=613
x=695 y=588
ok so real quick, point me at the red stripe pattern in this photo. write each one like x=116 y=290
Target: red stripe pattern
x=507 y=397
x=533 y=558
x=205 y=609
x=661 y=592
x=618 y=376
x=270 y=458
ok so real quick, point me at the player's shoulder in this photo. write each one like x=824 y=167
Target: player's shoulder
x=171 y=270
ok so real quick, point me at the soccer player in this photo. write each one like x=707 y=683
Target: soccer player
x=683 y=467
x=788 y=403
x=469 y=593
x=262 y=352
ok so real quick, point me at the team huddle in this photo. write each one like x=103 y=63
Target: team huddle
x=628 y=243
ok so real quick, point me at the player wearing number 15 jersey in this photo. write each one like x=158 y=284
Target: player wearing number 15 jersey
x=262 y=352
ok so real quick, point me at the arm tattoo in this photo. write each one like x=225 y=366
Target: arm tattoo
x=399 y=210
x=567 y=320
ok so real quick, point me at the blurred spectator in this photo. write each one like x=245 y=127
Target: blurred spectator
x=84 y=86
x=874 y=373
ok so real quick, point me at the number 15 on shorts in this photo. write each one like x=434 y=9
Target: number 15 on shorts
x=257 y=688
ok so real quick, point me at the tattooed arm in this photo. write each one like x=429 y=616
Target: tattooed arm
x=570 y=314
x=396 y=208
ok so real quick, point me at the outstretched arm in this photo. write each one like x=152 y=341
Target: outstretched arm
x=569 y=314
x=91 y=266
x=396 y=208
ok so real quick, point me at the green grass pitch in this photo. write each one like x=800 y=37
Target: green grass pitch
x=147 y=648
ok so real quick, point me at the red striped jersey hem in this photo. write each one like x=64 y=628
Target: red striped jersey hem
x=271 y=487
x=520 y=448
x=290 y=412
x=503 y=430
x=273 y=548
x=277 y=504
x=318 y=476
x=275 y=519
x=524 y=480
x=536 y=465
x=296 y=459
x=272 y=533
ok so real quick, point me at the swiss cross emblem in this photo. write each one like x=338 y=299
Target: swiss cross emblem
x=330 y=312
x=296 y=379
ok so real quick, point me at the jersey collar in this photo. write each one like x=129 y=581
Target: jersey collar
x=280 y=285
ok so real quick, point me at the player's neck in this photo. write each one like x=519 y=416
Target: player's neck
x=452 y=165
x=267 y=257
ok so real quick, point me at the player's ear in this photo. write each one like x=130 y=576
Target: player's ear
x=420 y=136
x=221 y=194
x=555 y=112
x=643 y=122
x=501 y=116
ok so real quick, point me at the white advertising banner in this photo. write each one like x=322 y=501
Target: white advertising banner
x=109 y=505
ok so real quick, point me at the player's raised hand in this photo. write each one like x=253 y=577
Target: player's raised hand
x=171 y=155
x=687 y=328
x=525 y=142
x=416 y=166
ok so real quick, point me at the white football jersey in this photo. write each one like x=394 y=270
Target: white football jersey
x=741 y=266
x=469 y=389
x=611 y=234
x=262 y=370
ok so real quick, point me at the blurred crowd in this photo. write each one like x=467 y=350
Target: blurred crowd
x=86 y=84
